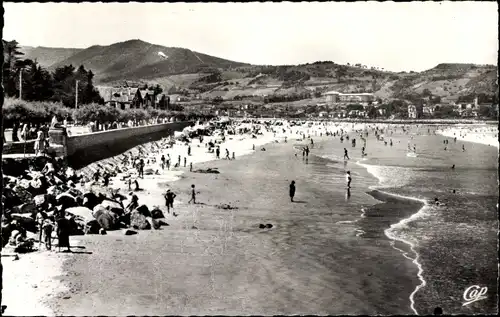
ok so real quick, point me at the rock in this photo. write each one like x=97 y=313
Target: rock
x=194 y=227
x=129 y=232
x=262 y=226
x=226 y=206
x=157 y=213
x=269 y=226
x=139 y=221
x=21 y=192
x=66 y=200
x=112 y=206
x=26 y=221
x=143 y=209
x=108 y=220
x=26 y=208
x=92 y=227
x=82 y=212
x=162 y=223
x=40 y=200
x=102 y=232
x=98 y=210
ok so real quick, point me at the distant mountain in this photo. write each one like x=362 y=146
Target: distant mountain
x=48 y=56
x=136 y=59
x=179 y=69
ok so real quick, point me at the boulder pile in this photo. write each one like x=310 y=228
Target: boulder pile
x=40 y=192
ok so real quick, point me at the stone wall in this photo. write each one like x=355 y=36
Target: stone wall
x=84 y=149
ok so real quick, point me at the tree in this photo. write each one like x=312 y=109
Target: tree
x=11 y=55
x=426 y=93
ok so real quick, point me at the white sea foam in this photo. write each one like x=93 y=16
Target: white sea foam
x=385 y=181
x=484 y=135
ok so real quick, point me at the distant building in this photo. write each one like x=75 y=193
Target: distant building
x=335 y=96
x=121 y=97
x=428 y=110
x=415 y=111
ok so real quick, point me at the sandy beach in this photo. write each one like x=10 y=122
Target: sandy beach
x=328 y=253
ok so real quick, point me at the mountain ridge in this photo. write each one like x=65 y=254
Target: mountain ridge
x=139 y=61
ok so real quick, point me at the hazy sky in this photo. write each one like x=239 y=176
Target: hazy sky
x=396 y=36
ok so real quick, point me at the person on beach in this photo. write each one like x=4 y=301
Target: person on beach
x=189 y=150
x=134 y=203
x=346 y=154
x=190 y=166
x=390 y=143
x=106 y=178
x=307 y=151
x=292 y=190
x=167 y=163
x=49 y=169
x=193 y=195
x=141 y=168
x=227 y=155
x=253 y=147
x=363 y=151
x=178 y=161
x=217 y=153
x=63 y=231
x=169 y=199
x=348 y=179
x=185 y=161
x=233 y=157
x=163 y=162
x=48 y=228
x=463 y=147
x=453 y=167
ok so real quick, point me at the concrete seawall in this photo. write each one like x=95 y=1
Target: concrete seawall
x=84 y=149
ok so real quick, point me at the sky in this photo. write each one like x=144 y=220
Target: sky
x=395 y=36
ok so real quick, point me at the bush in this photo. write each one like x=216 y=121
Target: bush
x=17 y=111
x=96 y=112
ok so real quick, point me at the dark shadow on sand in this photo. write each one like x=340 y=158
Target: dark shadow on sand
x=299 y=202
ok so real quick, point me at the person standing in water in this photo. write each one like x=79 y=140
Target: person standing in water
x=463 y=147
x=346 y=154
x=348 y=179
x=292 y=190
x=307 y=151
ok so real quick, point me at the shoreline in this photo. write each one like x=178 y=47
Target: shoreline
x=383 y=197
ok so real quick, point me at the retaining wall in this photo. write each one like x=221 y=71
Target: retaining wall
x=84 y=149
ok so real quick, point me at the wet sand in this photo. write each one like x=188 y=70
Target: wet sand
x=216 y=261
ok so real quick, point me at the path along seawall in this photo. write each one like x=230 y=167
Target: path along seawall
x=84 y=149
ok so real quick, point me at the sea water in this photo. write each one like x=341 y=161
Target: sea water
x=453 y=244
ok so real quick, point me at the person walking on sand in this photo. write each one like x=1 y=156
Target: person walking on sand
x=346 y=155
x=179 y=160
x=193 y=195
x=189 y=150
x=217 y=153
x=169 y=199
x=292 y=190
x=463 y=147
x=190 y=166
x=307 y=151
x=162 y=162
x=185 y=161
x=227 y=155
